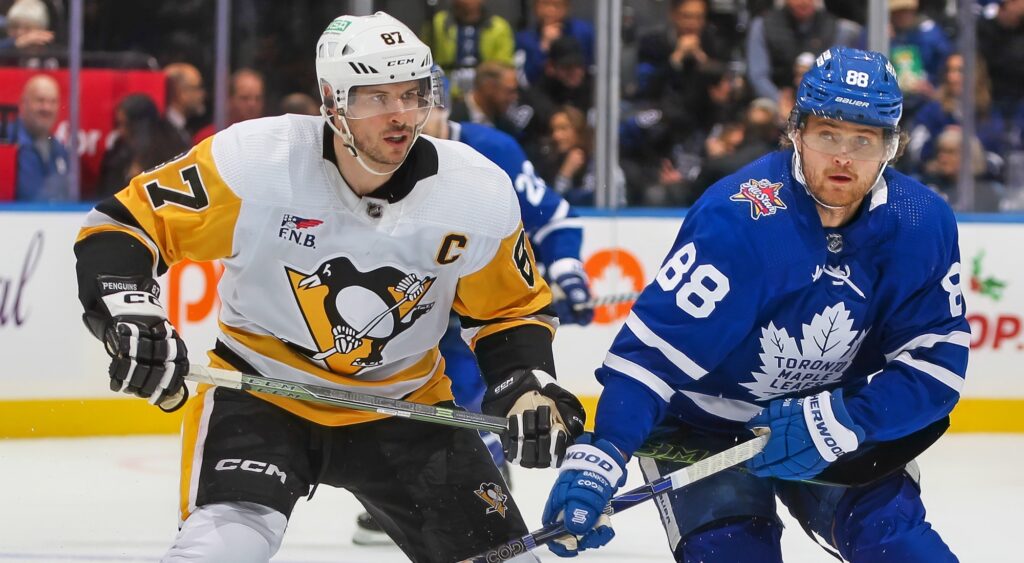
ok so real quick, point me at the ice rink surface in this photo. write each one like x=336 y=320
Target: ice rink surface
x=114 y=499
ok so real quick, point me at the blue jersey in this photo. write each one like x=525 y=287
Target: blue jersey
x=550 y=222
x=757 y=301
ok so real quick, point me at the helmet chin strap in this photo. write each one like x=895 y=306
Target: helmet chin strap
x=798 y=173
x=349 y=141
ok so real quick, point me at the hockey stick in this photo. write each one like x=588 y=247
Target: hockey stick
x=675 y=480
x=340 y=398
x=607 y=300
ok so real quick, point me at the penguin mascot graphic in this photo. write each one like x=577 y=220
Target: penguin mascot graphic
x=353 y=314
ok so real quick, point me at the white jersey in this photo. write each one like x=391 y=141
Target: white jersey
x=324 y=286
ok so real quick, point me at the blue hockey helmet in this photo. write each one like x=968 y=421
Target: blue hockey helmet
x=851 y=85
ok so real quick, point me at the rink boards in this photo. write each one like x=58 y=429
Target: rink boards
x=53 y=377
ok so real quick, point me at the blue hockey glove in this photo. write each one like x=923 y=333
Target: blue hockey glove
x=569 y=276
x=592 y=472
x=807 y=435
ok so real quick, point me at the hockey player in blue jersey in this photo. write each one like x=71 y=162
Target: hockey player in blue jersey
x=790 y=284
x=556 y=235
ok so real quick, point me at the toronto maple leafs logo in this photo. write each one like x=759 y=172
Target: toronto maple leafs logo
x=762 y=195
x=826 y=350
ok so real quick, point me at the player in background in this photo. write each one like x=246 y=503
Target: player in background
x=790 y=283
x=346 y=240
x=556 y=235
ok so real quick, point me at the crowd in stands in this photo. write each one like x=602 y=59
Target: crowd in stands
x=707 y=87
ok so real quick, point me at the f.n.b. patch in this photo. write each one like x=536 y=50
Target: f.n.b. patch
x=294 y=229
x=762 y=195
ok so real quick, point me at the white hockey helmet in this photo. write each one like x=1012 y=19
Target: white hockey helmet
x=359 y=51
x=366 y=50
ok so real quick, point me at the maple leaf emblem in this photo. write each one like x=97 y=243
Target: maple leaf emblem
x=762 y=195
x=826 y=349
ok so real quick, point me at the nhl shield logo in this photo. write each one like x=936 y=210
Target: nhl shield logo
x=762 y=195
x=494 y=497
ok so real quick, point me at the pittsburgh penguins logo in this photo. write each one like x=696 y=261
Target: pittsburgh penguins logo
x=494 y=497
x=352 y=315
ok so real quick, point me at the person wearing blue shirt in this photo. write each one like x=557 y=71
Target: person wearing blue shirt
x=43 y=162
x=790 y=284
x=918 y=45
x=553 y=21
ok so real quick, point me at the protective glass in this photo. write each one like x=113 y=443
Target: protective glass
x=856 y=146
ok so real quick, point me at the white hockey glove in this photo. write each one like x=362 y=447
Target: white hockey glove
x=148 y=358
x=544 y=418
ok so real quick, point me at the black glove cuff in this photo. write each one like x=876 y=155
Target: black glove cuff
x=499 y=397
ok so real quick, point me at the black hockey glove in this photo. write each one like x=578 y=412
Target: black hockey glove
x=148 y=358
x=543 y=418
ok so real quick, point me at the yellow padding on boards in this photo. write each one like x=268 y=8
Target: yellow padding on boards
x=84 y=417
x=112 y=417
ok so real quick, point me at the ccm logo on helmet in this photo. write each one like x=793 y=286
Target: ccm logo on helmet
x=396 y=62
x=590 y=458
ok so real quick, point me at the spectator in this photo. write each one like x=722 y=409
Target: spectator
x=1001 y=43
x=668 y=60
x=42 y=162
x=300 y=103
x=758 y=136
x=144 y=139
x=552 y=22
x=495 y=89
x=466 y=36
x=787 y=96
x=918 y=48
x=942 y=174
x=28 y=27
x=567 y=79
x=946 y=109
x=245 y=95
x=570 y=158
x=245 y=100
x=662 y=147
x=777 y=37
x=186 y=97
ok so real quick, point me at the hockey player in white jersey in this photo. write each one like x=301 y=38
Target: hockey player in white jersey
x=346 y=241
x=789 y=284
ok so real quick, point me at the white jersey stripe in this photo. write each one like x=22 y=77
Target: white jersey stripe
x=958 y=337
x=729 y=409
x=950 y=379
x=641 y=375
x=678 y=359
x=197 y=454
x=543 y=232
